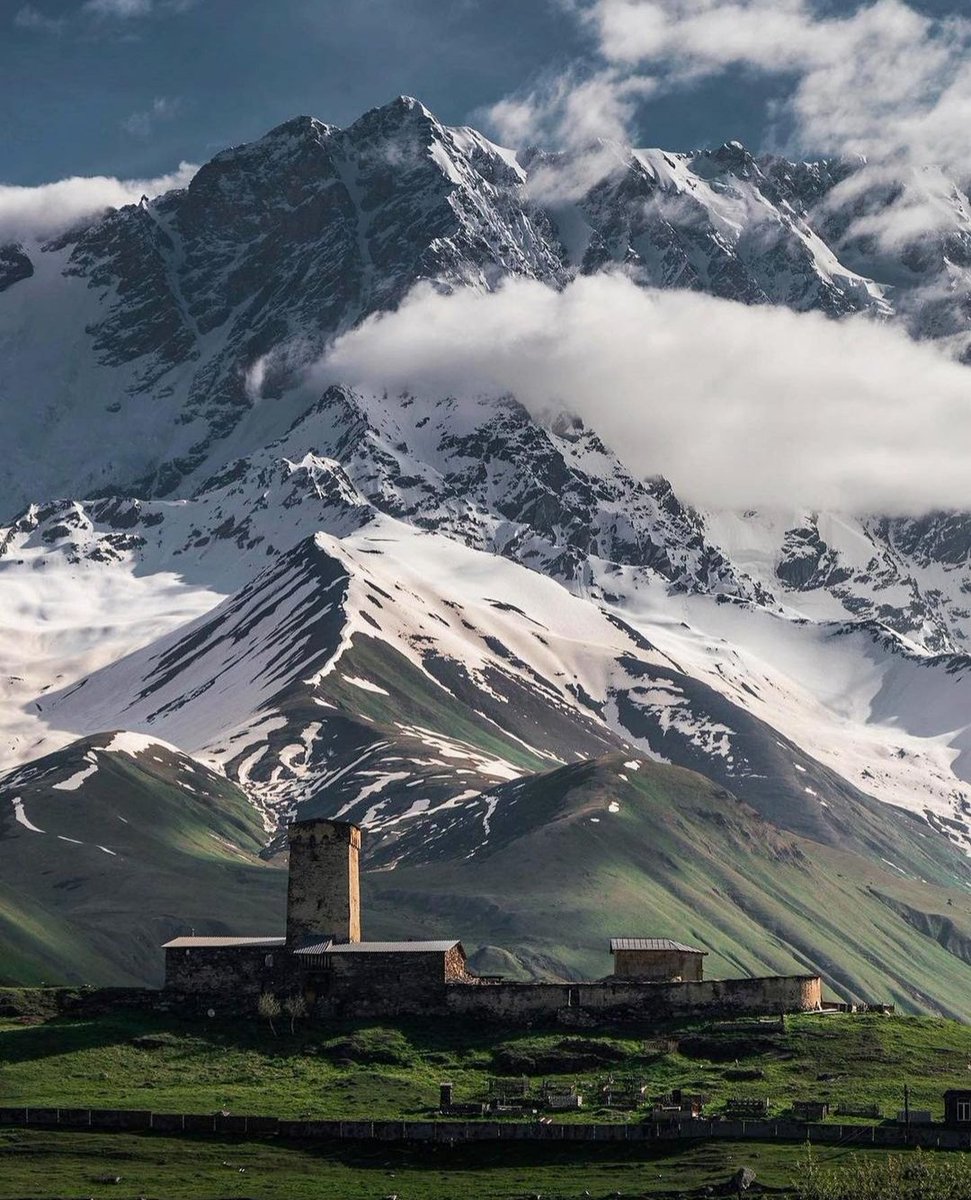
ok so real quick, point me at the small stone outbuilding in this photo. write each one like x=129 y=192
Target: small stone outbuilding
x=657 y=960
x=957 y=1108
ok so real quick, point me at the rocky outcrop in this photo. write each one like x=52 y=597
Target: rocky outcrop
x=15 y=265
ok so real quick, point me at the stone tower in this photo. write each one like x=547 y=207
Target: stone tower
x=324 y=893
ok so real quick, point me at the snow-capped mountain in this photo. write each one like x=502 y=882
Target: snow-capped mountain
x=169 y=334
x=416 y=613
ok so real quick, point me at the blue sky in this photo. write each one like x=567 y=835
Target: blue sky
x=74 y=91
x=131 y=87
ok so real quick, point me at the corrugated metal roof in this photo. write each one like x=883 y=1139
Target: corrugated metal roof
x=642 y=943
x=187 y=943
x=319 y=945
x=384 y=948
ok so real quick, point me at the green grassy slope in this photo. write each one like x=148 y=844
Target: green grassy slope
x=184 y=846
x=385 y=1071
x=534 y=877
x=596 y=850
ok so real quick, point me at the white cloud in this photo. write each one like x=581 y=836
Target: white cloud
x=738 y=406
x=28 y=213
x=572 y=109
x=586 y=116
x=29 y=17
x=900 y=206
x=118 y=8
x=883 y=80
x=141 y=123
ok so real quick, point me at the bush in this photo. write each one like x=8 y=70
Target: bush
x=388 y=1047
x=915 y=1176
x=565 y=1057
x=269 y=1009
x=728 y=1048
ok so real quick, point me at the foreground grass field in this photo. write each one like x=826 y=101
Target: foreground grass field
x=54 y=1165
x=41 y=1166
x=130 y=1060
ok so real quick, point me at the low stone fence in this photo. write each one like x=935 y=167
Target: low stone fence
x=123 y=1120
x=618 y=999
x=452 y=1132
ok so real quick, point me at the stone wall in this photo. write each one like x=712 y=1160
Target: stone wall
x=449 y=1132
x=389 y=984
x=456 y=970
x=659 y=965
x=241 y=972
x=323 y=892
x=365 y=984
x=392 y=984
x=638 y=999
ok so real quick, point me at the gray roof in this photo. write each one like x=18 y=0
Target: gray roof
x=642 y=943
x=316 y=945
x=378 y=947
x=187 y=943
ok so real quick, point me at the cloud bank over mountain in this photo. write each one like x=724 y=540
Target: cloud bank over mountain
x=28 y=213
x=738 y=405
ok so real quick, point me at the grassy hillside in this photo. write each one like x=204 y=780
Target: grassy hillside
x=371 y=1070
x=552 y=867
x=154 y=846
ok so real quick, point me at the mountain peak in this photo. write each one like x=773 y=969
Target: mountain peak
x=735 y=157
x=410 y=104
x=299 y=127
x=404 y=113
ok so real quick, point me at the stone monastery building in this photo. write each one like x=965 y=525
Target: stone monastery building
x=323 y=958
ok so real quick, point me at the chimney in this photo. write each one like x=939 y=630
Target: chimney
x=323 y=893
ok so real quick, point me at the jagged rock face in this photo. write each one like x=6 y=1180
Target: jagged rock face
x=712 y=222
x=279 y=244
x=912 y=576
x=15 y=265
x=488 y=474
x=485 y=474
x=914 y=579
x=807 y=561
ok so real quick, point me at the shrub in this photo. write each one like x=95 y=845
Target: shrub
x=269 y=1009
x=915 y=1176
x=295 y=1007
x=388 y=1047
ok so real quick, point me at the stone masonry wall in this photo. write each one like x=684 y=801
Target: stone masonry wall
x=393 y=984
x=225 y=971
x=456 y=970
x=639 y=1000
x=658 y=964
x=382 y=984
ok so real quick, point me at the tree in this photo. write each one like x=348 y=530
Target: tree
x=295 y=1007
x=269 y=1009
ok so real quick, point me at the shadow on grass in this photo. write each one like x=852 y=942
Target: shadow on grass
x=71 y=1034
x=401 y=1042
